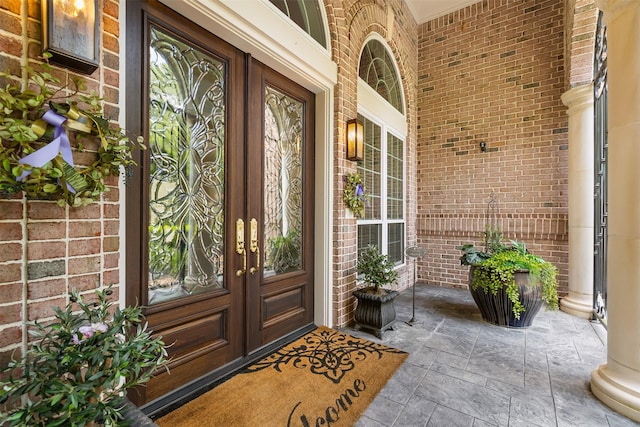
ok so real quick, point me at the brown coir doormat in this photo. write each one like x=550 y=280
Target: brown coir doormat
x=324 y=378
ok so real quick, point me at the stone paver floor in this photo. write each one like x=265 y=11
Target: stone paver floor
x=463 y=371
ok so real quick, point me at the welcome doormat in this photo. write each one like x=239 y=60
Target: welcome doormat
x=324 y=378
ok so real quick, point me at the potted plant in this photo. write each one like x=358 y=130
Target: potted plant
x=375 y=310
x=78 y=367
x=507 y=282
x=284 y=252
x=44 y=127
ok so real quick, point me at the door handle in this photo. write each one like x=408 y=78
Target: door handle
x=240 y=249
x=253 y=245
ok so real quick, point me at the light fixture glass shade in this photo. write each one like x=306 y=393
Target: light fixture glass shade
x=355 y=140
x=70 y=33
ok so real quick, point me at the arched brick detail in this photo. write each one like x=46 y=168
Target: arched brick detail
x=581 y=19
x=350 y=24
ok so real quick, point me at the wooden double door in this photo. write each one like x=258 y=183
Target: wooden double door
x=219 y=211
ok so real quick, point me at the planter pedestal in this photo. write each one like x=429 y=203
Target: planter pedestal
x=375 y=313
x=498 y=309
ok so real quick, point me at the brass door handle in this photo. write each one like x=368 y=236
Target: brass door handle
x=253 y=245
x=240 y=249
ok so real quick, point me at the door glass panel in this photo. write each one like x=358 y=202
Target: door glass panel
x=283 y=149
x=186 y=183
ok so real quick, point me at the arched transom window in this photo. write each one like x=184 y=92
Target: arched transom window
x=381 y=110
x=378 y=70
x=306 y=14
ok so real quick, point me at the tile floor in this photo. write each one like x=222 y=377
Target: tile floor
x=464 y=372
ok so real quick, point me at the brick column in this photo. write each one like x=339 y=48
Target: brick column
x=579 y=302
x=617 y=383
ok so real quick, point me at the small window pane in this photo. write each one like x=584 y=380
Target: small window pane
x=370 y=168
x=396 y=243
x=395 y=183
x=369 y=234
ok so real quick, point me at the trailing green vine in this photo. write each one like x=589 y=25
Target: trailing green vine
x=43 y=126
x=495 y=270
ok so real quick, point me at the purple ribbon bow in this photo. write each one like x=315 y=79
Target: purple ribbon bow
x=60 y=144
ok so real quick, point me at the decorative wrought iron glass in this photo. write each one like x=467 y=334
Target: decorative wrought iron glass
x=283 y=154
x=186 y=183
x=601 y=149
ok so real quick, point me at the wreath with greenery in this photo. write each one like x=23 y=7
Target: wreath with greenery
x=354 y=195
x=40 y=129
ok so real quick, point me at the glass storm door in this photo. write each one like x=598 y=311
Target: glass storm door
x=220 y=210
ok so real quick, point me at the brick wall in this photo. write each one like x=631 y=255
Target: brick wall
x=350 y=23
x=46 y=250
x=581 y=20
x=492 y=73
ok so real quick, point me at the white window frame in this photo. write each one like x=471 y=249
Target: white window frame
x=372 y=106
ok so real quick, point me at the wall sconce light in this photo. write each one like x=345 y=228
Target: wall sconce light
x=70 y=33
x=355 y=140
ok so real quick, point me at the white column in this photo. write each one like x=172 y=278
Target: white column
x=617 y=383
x=579 y=302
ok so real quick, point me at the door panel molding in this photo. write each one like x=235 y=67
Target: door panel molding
x=218 y=331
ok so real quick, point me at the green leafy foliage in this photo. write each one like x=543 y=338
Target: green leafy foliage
x=378 y=269
x=78 y=366
x=22 y=132
x=495 y=270
x=355 y=195
x=284 y=252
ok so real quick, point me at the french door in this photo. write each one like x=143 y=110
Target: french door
x=219 y=211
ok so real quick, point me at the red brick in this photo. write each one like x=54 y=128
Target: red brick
x=43 y=309
x=91 y=211
x=10 y=336
x=84 y=247
x=111 y=277
x=10 y=252
x=111 y=244
x=85 y=229
x=11 y=313
x=46 y=250
x=11 y=210
x=84 y=265
x=111 y=260
x=10 y=23
x=10 y=292
x=12 y=6
x=47 y=230
x=10 y=272
x=46 y=288
x=84 y=282
x=10 y=231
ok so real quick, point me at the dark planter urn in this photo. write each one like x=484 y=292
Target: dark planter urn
x=498 y=309
x=375 y=312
